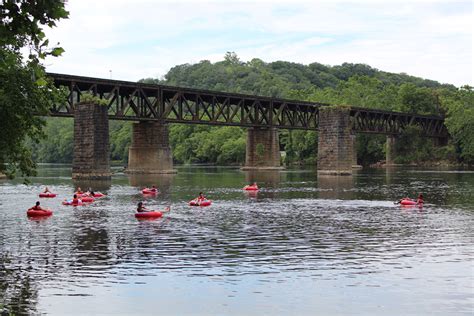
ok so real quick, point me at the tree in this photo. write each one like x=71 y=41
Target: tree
x=460 y=119
x=25 y=91
x=417 y=100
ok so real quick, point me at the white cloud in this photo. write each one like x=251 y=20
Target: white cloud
x=137 y=39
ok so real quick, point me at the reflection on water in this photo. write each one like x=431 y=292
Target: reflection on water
x=335 y=187
x=95 y=185
x=162 y=181
x=271 y=252
x=18 y=292
x=267 y=178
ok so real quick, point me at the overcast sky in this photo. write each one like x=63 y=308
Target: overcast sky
x=134 y=39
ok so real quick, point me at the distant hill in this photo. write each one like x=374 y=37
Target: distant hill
x=277 y=78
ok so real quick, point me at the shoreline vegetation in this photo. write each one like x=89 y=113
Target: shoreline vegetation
x=354 y=84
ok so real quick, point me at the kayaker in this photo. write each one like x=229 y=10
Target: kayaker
x=89 y=193
x=79 y=190
x=75 y=200
x=46 y=190
x=141 y=208
x=37 y=207
x=201 y=197
x=419 y=200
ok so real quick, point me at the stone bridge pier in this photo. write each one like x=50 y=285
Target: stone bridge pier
x=150 y=150
x=262 y=151
x=335 y=143
x=91 y=142
x=390 y=152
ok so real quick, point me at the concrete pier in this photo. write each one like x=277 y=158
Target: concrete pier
x=150 y=151
x=91 y=142
x=390 y=152
x=354 y=152
x=335 y=144
x=262 y=149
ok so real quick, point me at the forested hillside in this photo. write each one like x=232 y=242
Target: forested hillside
x=352 y=84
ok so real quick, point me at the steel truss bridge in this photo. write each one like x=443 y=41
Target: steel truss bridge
x=149 y=102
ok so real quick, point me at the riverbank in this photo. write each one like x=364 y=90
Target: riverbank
x=425 y=164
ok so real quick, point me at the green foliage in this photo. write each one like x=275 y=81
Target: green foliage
x=417 y=100
x=278 y=78
x=370 y=148
x=300 y=146
x=58 y=145
x=89 y=98
x=205 y=144
x=260 y=150
x=411 y=147
x=120 y=139
x=25 y=91
x=459 y=105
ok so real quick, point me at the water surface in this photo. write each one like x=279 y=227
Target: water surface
x=303 y=245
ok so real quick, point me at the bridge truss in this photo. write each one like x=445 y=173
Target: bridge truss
x=149 y=102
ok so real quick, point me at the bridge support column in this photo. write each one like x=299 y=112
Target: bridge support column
x=262 y=150
x=335 y=141
x=390 y=151
x=91 y=142
x=150 y=151
x=354 y=152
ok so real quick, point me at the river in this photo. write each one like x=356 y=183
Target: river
x=302 y=245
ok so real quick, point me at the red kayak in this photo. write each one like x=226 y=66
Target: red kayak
x=47 y=195
x=73 y=204
x=87 y=199
x=151 y=214
x=200 y=203
x=98 y=195
x=407 y=202
x=38 y=213
x=149 y=191
x=251 y=188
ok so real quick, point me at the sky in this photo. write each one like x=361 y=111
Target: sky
x=131 y=40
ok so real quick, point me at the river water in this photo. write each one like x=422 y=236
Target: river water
x=303 y=245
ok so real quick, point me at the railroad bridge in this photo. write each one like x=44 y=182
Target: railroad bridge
x=152 y=107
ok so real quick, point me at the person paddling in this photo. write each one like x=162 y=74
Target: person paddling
x=46 y=190
x=75 y=200
x=201 y=197
x=37 y=207
x=141 y=208
x=419 y=200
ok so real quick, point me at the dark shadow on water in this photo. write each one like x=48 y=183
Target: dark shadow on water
x=264 y=178
x=18 y=291
x=335 y=187
x=163 y=182
x=95 y=185
x=91 y=238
